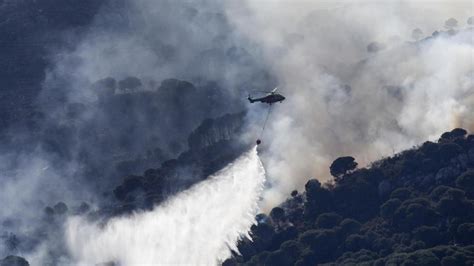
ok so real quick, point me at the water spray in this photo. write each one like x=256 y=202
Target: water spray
x=200 y=226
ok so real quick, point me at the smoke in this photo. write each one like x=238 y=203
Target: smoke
x=341 y=100
x=146 y=42
x=198 y=226
x=346 y=97
x=82 y=138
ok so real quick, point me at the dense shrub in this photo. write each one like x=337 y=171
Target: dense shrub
x=277 y=214
x=318 y=199
x=328 y=220
x=454 y=203
x=357 y=199
x=465 y=233
x=356 y=242
x=349 y=226
x=466 y=182
x=430 y=235
x=401 y=194
x=438 y=192
x=413 y=213
x=422 y=257
x=323 y=243
x=60 y=208
x=454 y=134
x=387 y=210
x=449 y=150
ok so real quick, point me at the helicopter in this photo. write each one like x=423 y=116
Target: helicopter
x=270 y=98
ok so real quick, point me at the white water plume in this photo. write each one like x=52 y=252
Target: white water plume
x=199 y=226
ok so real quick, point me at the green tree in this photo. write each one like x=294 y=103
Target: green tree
x=349 y=226
x=423 y=258
x=129 y=83
x=438 y=192
x=449 y=150
x=401 y=194
x=318 y=199
x=323 y=243
x=328 y=220
x=356 y=242
x=430 y=235
x=342 y=166
x=466 y=182
x=470 y=21
x=465 y=233
x=387 y=210
x=451 y=23
x=277 y=214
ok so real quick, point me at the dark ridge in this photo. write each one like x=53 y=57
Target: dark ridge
x=212 y=145
x=415 y=208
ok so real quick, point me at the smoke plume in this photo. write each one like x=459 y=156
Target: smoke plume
x=356 y=83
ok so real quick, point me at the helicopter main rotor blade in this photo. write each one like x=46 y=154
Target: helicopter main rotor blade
x=268 y=92
x=262 y=92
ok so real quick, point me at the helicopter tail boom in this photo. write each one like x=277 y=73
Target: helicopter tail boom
x=250 y=99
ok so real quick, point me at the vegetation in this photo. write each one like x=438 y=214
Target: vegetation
x=415 y=208
x=342 y=166
x=451 y=23
x=13 y=261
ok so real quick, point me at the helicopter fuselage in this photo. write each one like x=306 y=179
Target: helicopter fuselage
x=271 y=98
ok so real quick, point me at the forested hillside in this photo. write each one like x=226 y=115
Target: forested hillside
x=415 y=208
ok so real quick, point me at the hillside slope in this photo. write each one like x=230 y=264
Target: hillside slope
x=415 y=208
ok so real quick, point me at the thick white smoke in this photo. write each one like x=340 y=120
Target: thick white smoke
x=346 y=99
x=398 y=97
x=199 y=226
